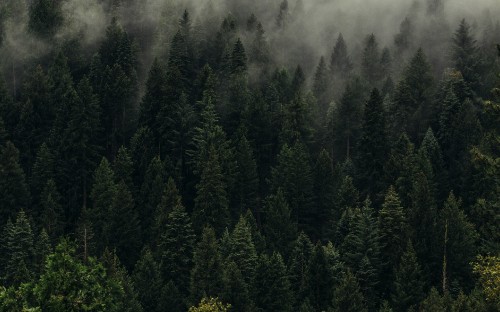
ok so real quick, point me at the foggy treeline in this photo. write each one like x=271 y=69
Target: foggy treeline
x=236 y=155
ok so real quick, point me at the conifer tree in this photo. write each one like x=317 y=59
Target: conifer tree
x=373 y=146
x=242 y=250
x=123 y=166
x=176 y=247
x=211 y=202
x=320 y=86
x=347 y=297
x=340 y=62
x=147 y=281
x=325 y=182
x=248 y=179
x=279 y=228
x=272 y=286
x=43 y=170
x=408 y=289
x=235 y=289
x=466 y=57
x=298 y=267
x=103 y=194
x=169 y=200
x=150 y=194
x=52 y=214
x=14 y=192
x=319 y=279
x=124 y=227
x=42 y=248
x=206 y=275
x=45 y=18
x=371 y=60
x=19 y=251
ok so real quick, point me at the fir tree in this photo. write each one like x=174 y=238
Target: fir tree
x=147 y=281
x=14 y=193
x=272 y=286
x=235 y=289
x=325 y=182
x=242 y=250
x=371 y=60
x=466 y=57
x=340 y=62
x=206 y=275
x=319 y=279
x=320 y=86
x=176 y=246
x=248 y=179
x=298 y=267
x=408 y=289
x=45 y=18
x=347 y=297
x=52 y=215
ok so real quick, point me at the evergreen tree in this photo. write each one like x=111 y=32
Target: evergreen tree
x=340 y=62
x=347 y=297
x=272 y=286
x=457 y=238
x=371 y=60
x=320 y=86
x=14 y=192
x=466 y=57
x=325 y=182
x=373 y=146
x=211 y=202
x=147 y=281
x=278 y=228
x=123 y=167
x=319 y=279
x=235 y=289
x=404 y=39
x=169 y=200
x=52 y=214
x=247 y=180
x=124 y=227
x=42 y=248
x=176 y=246
x=206 y=275
x=408 y=289
x=298 y=267
x=393 y=229
x=19 y=251
x=242 y=250
x=103 y=194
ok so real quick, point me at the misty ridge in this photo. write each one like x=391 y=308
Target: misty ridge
x=297 y=32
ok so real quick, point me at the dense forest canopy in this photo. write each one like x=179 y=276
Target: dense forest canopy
x=235 y=155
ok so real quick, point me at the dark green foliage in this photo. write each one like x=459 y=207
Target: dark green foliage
x=247 y=179
x=52 y=214
x=320 y=86
x=176 y=248
x=14 y=192
x=466 y=57
x=272 y=286
x=325 y=181
x=242 y=250
x=340 y=62
x=124 y=226
x=347 y=297
x=298 y=267
x=319 y=279
x=279 y=228
x=235 y=289
x=147 y=281
x=408 y=289
x=373 y=146
x=206 y=275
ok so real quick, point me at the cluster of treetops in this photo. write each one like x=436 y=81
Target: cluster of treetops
x=264 y=194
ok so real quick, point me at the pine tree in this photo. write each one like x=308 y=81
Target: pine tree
x=373 y=149
x=169 y=200
x=123 y=167
x=371 y=60
x=272 y=286
x=14 y=193
x=279 y=229
x=235 y=289
x=42 y=171
x=347 y=297
x=247 y=180
x=298 y=267
x=238 y=58
x=103 y=194
x=319 y=279
x=147 y=281
x=457 y=238
x=325 y=183
x=124 y=227
x=404 y=39
x=206 y=275
x=393 y=229
x=19 y=251
x=340 y=62
x=52 y=214
x=150 y=195
x=242 y=250
x=42 y=248
x=320 y=86
x=408 y=289
x=176 y=247
x=466 y=57
x=211 y=202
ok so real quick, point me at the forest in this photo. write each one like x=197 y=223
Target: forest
x=250 y=156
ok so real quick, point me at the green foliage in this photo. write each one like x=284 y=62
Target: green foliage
x=148 y=281
x=279 y=229
x=210 y=305
x=347 y=297
x=272 y=286
x=46 y=17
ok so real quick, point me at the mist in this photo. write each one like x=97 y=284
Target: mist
x=309 y=32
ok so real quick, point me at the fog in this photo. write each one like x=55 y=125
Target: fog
x=310 y=29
